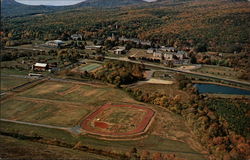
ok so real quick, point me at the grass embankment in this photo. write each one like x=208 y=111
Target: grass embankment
x=8 y=83
x=6 y=71
x=151 y=143
x=13 y=148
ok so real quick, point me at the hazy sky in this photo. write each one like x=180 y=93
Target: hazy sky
x=54 y=2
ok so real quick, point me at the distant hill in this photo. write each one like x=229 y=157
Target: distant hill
x=218 y=25
x=109 y=3
x=11 y=8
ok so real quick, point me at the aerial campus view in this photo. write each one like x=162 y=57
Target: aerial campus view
x=125 y=80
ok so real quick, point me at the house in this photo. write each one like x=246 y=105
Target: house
x=40 y=67
x=76 y=37
x=52 y=65
x=181 y=54
x=151 y=50
x=54 y=43
x=146 y=43
x=120 y=50
x=168 y=49
x=168 y=56
x=158 y=54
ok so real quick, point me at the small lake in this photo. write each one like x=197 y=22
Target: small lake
x=218 y=89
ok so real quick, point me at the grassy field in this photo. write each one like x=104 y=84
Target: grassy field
x=42 y=112
x=139 y=53
x=163 y=75
x=11 y=82
x=60 y=104
x=224 y=72
x=12 y=148
x=65 y=104
x=85 y=94
x=90 y=67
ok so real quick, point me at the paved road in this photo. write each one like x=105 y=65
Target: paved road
x=31 y=49
x=181 y=71
x=34 y=124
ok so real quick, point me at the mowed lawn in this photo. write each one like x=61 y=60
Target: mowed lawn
x=59 y=104
x=219 y=71
x=84 y=94
x=11 y=82
x=57 y=114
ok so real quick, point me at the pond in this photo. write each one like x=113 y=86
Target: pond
x=219 y=89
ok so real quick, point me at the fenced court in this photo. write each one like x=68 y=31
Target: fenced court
x=89 y=67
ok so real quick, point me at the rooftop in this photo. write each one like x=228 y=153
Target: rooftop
x=40 y=65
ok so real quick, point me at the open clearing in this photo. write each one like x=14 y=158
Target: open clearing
x=11 y=82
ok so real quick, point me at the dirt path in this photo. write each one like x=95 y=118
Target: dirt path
x=159 y=81
x=75 y=82
x=72 y=89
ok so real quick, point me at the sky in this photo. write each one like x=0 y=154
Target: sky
x=54 y=2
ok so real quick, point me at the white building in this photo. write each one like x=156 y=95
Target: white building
x=158 y=54
x=168 y=56
x=151 y=50
x=168 y=49
x=54 y=43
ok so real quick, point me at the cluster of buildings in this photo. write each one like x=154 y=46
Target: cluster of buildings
x=166 y=54
x=135 y=40
x=60 y=43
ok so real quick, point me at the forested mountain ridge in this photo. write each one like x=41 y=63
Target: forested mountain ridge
x=218 y=25
x=109 y=3
x=11 y=8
